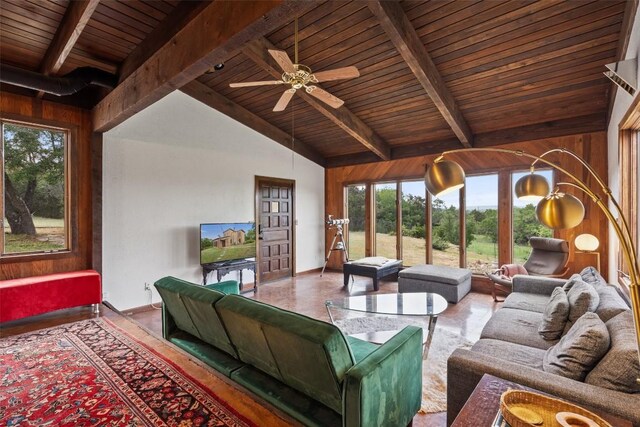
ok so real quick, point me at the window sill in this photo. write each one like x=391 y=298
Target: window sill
x=14 y=258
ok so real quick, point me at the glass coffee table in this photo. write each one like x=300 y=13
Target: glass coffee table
x=424 y=304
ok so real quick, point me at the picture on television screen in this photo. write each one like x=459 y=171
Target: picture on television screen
x=229 y=241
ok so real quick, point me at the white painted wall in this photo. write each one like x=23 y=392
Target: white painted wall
x=180 y=163
x=620 y=107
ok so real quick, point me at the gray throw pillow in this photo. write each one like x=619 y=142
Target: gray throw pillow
x=610 y=304
x=619 y=368
x=582 y=298
x=555 y=315
x=579 y=350
x=592 y=276
x=572 y=281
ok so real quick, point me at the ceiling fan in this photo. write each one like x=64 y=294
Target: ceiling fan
x=299 y=76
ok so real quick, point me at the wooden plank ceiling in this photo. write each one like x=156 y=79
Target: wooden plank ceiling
x=494 y=68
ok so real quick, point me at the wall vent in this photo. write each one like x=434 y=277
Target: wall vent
x=624 y=74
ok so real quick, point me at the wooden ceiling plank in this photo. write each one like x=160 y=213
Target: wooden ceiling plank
x=628 y=19
x=401 y=32
x=209 y=97
x=209 y=38
x=343 y=117
x=75 y=19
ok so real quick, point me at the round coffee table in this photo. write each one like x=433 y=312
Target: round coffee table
x=426 y=304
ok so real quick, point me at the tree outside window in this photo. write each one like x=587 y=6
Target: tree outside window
x=34 y=189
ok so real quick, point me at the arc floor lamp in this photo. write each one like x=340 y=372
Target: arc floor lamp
x=555 y=209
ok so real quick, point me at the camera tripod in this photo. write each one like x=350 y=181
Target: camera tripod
x=339 y=246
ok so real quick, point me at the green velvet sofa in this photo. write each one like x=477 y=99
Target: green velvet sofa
x=305 y=367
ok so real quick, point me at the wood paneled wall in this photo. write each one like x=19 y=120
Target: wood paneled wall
x=592 y=147
x=44 y=112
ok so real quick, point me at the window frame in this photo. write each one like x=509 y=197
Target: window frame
x=70 y=182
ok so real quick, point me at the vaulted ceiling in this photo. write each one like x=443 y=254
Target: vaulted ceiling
x=433 y=74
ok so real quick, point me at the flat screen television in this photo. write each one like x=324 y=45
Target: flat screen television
x=226 y=242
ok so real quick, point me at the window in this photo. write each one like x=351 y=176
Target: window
x=34 y=189
x=386 y=220
x=481 y=216
x=629 y=181
x=525 y=223
x=355 y=195
x=445 y=226
x=413 y=199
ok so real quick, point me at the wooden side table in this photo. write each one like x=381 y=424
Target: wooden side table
x=483 y=404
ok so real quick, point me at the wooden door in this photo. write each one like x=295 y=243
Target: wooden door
x=275 y=201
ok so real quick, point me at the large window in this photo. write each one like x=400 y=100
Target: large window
x=34 y=189
x=355 y=195
x=386 y=220
x=481 y=215
x=525 y=223
x=445 y=228
x=413 y=199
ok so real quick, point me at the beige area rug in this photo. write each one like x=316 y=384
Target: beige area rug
x=434 y=369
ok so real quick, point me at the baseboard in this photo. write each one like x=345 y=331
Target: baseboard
x=311 y=271
x=136 y=310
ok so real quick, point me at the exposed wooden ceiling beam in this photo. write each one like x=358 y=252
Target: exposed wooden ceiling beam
x=630 y=10
x=220 y=28
x=213 y=99
x=75 y=19
x=395 y=23
x=343 y=117
x=538 y=131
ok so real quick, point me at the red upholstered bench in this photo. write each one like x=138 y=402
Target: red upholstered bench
x=29 y=296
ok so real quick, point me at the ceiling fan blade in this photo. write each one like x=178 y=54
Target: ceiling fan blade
x=324 y=96
x=284 y=100
x=337 y=74
x=283 y=60
x=262 y=83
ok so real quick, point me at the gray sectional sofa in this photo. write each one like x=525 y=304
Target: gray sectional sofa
x=510 y=347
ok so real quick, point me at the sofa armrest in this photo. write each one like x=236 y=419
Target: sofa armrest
x=385 y=388
x=535 y=284
x=465 y=368
x=168 y=324
x=229 y=287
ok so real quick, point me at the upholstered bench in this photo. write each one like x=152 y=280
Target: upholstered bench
x=450 y=282
x=374 y=267
x=30 y=296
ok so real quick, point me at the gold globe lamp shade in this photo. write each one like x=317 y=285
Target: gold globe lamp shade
x=587 y=242
x=532 y=187
x=560 y=211
x=443 y=177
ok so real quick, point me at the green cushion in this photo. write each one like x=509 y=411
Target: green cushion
x=192 y=307
x=226 y=287
x=385 y=388
x=213 y=357
x=361 y=349
x=301 y=407
x=304 y=353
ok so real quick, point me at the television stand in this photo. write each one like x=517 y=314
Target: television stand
x=222 y=268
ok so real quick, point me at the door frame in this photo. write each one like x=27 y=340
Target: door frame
x=294 y=222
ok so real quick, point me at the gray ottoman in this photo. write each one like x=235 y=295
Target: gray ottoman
x=450 y=282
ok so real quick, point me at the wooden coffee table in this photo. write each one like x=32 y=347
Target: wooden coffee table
x=483 y=404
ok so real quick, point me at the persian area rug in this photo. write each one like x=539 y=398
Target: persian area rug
x=92 y=373
x=434 y=369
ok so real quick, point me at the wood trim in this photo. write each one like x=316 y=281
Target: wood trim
x=631 y=119
x=428 y=219
x=342 y=117
x=75 y=19
x=539 y=131
x=96 y=201
x=369 y=221
x=463 y=228
x=209 y=38
x=402 y=34
x=213 y=99
x=631 y=8
x=398 y=220
x=505 y=218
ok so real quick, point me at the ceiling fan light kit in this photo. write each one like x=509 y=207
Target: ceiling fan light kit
x=299 y=76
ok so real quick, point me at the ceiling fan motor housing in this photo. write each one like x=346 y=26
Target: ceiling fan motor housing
x=300 y=78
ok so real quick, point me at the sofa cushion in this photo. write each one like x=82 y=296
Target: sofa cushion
x=306 y=354
x=592 y=276
x=516 y=326
x=619 y=368
x=192 y=307
x=580 y=349
x=437 y=273
x=526 y=301
x=611 y=304
x=583 y=298
x=510 y=352
x=571 y=281
x=555 y=315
